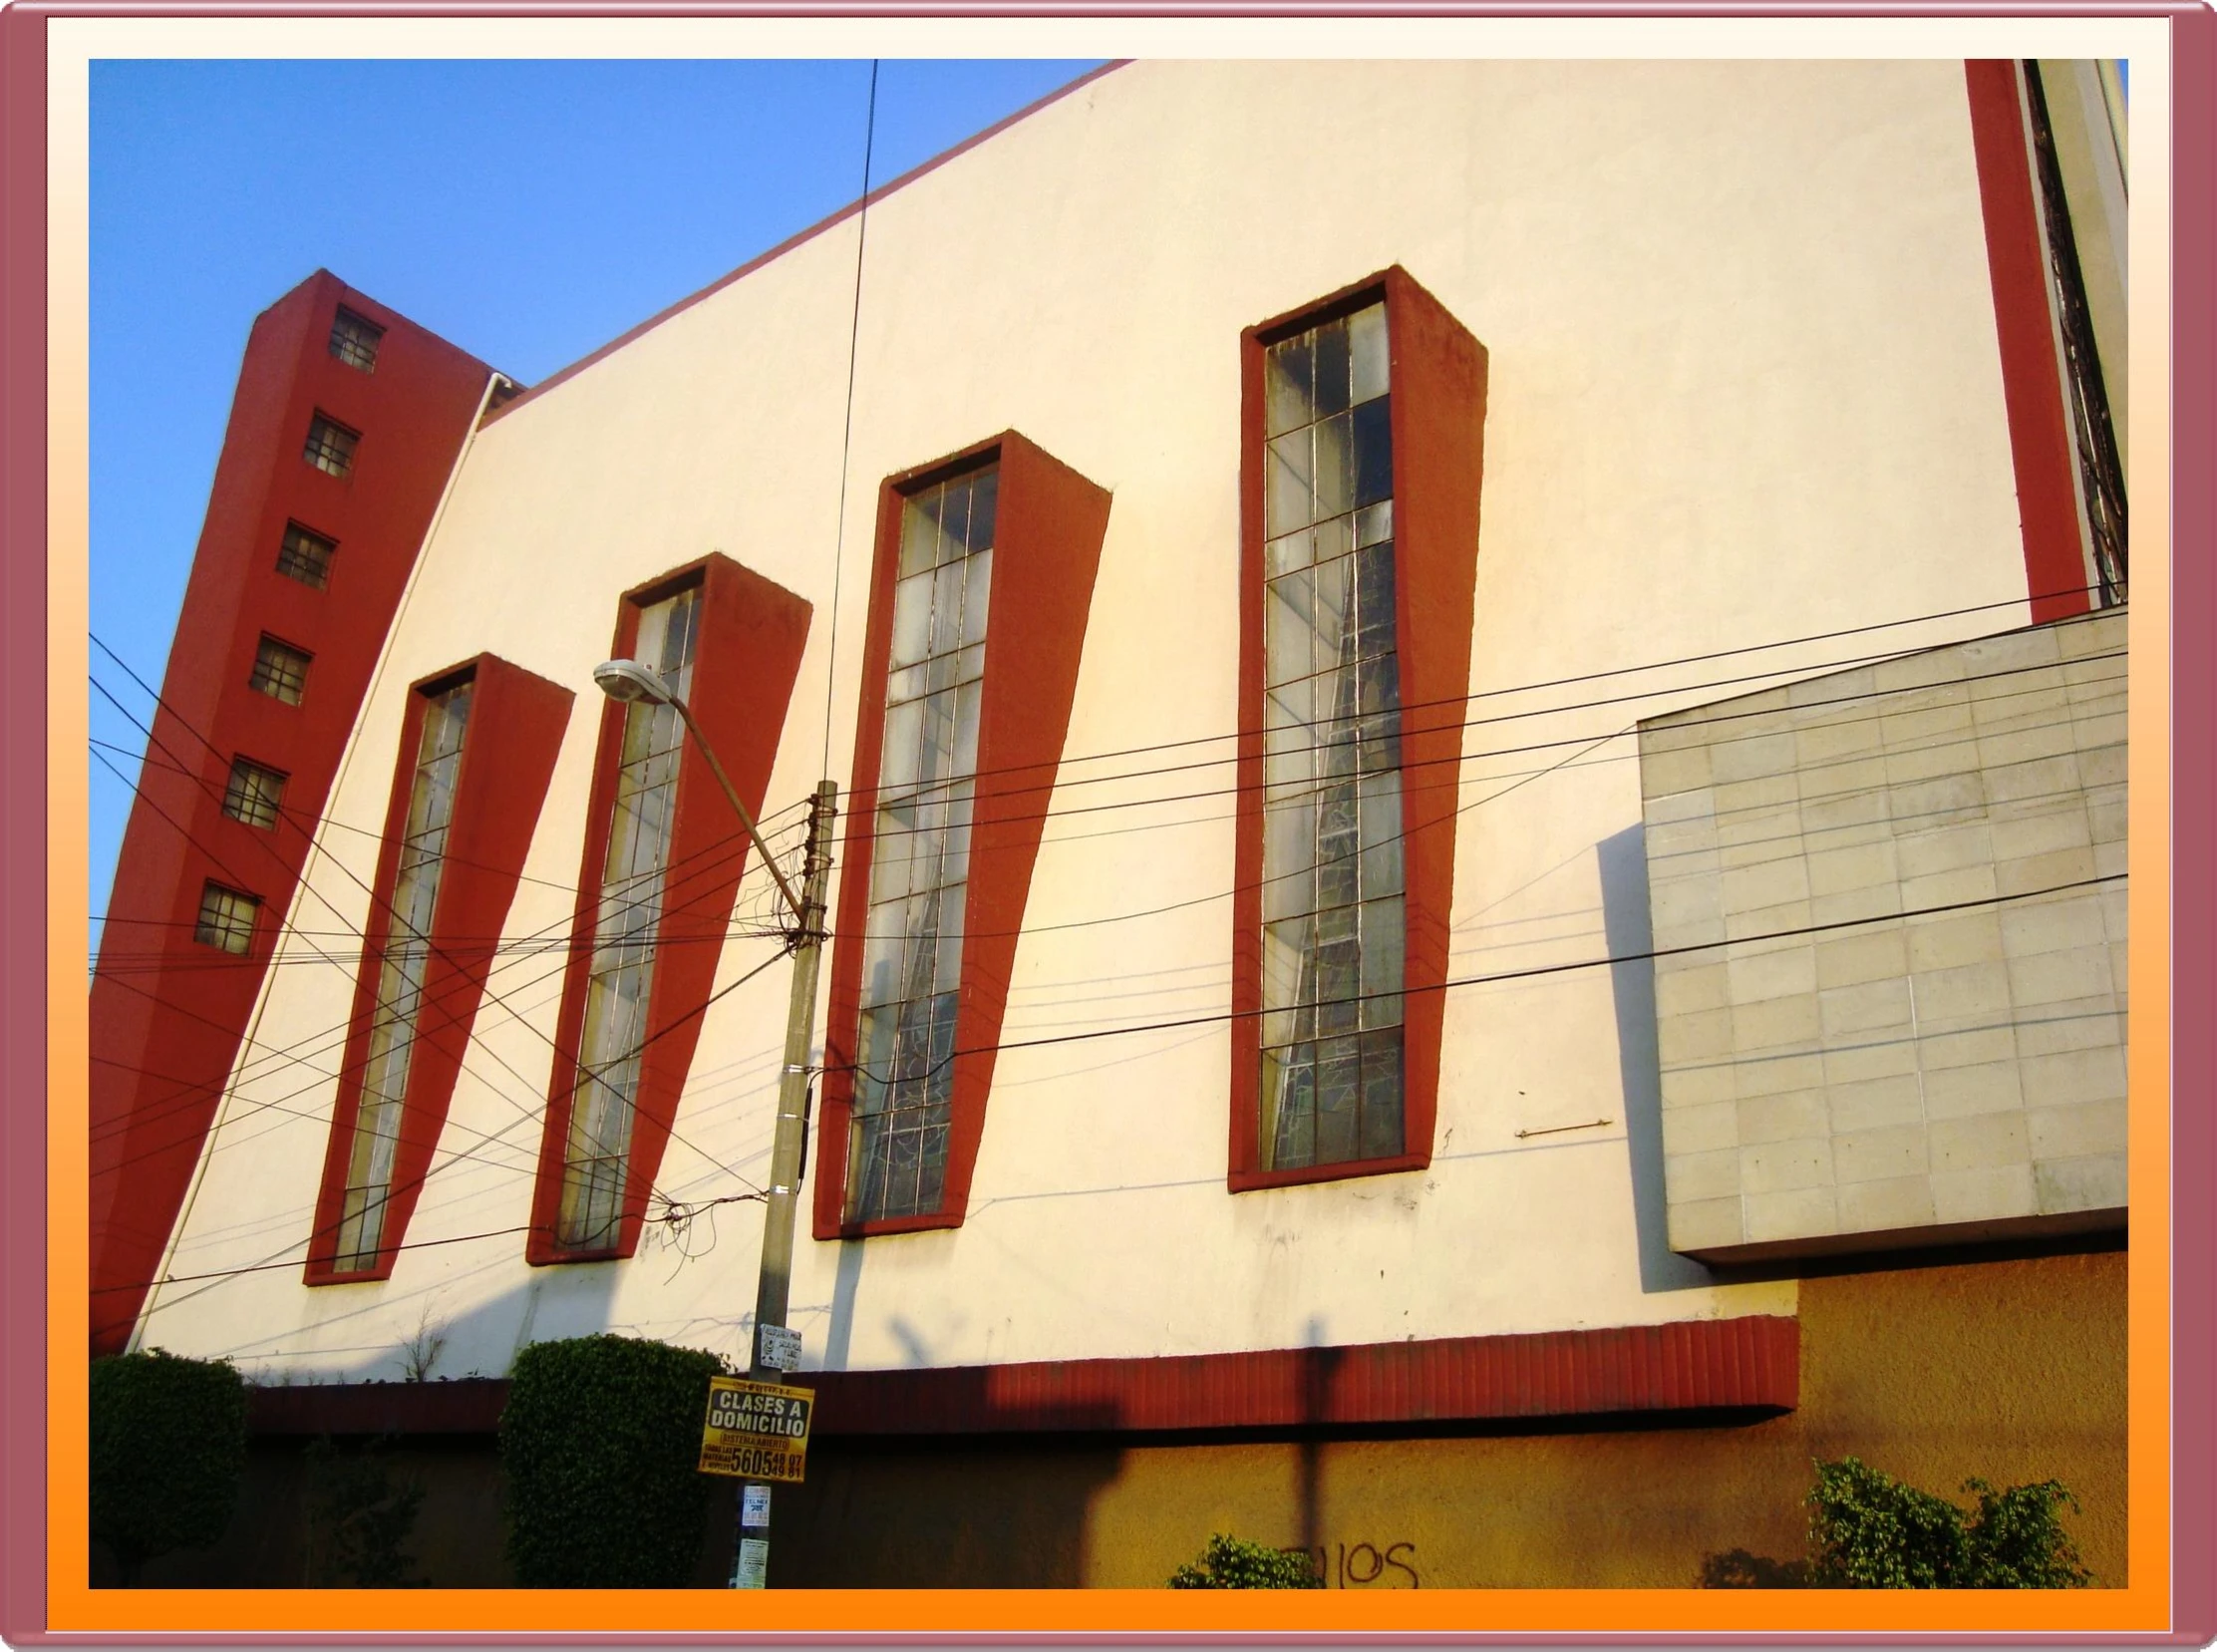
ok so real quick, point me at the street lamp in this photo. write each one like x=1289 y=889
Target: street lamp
x=627 y=680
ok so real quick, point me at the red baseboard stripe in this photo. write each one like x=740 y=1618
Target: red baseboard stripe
x=1752 y=1363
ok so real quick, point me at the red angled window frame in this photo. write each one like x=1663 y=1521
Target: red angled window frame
x=1437 y=420
x=1046 y=553
x=509 y=747
x=746 y=659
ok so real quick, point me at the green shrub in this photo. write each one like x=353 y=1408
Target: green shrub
x=599 y=1441
x=1235 y=1564
x=168 y=1447
x=1868 y=1531
x=2014 y=1541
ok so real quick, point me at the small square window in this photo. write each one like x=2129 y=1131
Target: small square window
x=255 y=794
x=280 y=671
x=354 y=341
x=330 y=445
x=226 y=919
x=305 y=557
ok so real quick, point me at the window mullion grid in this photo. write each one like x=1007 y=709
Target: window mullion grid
x=400 y=983
x=899 y=1138
x=1332 y=896
x=626 y=934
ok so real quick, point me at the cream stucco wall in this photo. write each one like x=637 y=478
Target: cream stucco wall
x=1744 y=388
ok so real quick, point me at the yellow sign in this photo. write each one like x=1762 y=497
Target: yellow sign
x=757 y=1431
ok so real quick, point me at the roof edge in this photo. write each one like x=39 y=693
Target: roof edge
x=494 y=415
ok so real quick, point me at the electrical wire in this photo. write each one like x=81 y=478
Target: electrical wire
x=846 y=432
x=1491 y=978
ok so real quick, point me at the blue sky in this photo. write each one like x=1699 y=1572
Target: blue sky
x=526 y=211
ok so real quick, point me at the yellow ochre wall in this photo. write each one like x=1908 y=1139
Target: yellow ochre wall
x=2010 y=1370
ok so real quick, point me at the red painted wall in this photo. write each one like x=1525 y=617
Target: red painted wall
x=167 y=1014
x=2032 y=383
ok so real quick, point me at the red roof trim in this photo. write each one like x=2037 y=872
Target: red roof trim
x=1746 y=1364
x=790 y=242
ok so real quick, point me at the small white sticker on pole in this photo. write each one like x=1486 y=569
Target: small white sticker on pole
x=754 y=1506
x=780 y=1347
x=753 y=1570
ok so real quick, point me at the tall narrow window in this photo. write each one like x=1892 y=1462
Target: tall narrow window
x=330 y=445
x=919 y=874
x=625 y=936
x=400 y=984
x=1332 y=923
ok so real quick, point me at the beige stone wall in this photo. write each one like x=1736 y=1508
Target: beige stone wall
x=1875 y=1081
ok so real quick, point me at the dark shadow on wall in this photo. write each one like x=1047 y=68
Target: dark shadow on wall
x=998 y=1511
x=1630 y=933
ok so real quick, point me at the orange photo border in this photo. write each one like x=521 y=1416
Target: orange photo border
x=73 y=1609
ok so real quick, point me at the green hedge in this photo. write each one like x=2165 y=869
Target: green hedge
x=1235 y=1564
x=599 y=1442
x=168 y=1447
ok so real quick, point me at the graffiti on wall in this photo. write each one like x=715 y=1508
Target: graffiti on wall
x=1364 y=1565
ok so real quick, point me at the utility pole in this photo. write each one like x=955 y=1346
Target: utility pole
x=750 y=1556
x=629 y=679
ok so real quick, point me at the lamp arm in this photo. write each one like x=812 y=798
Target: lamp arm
x=792 y=901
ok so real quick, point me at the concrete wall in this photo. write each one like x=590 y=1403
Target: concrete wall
x=1744 y=388
x=1892 y=1080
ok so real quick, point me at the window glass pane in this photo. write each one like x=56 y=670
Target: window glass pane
x=1365 y=331
x=330 y=445
x=946 y=607
x=1335 y=931
x=1335 y=466
x=281 y=672
x=1331 y=367
x=913 y=959
x=1371 y=456
x=1288 y=553
x=627 y=933
x=226 y=920
x=354 y=341
x=305 y=557
x=912 y=618
x=1288 y=383
x=255 y=794
x=1286 y=482
x=976 y=596
x=405 y=938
